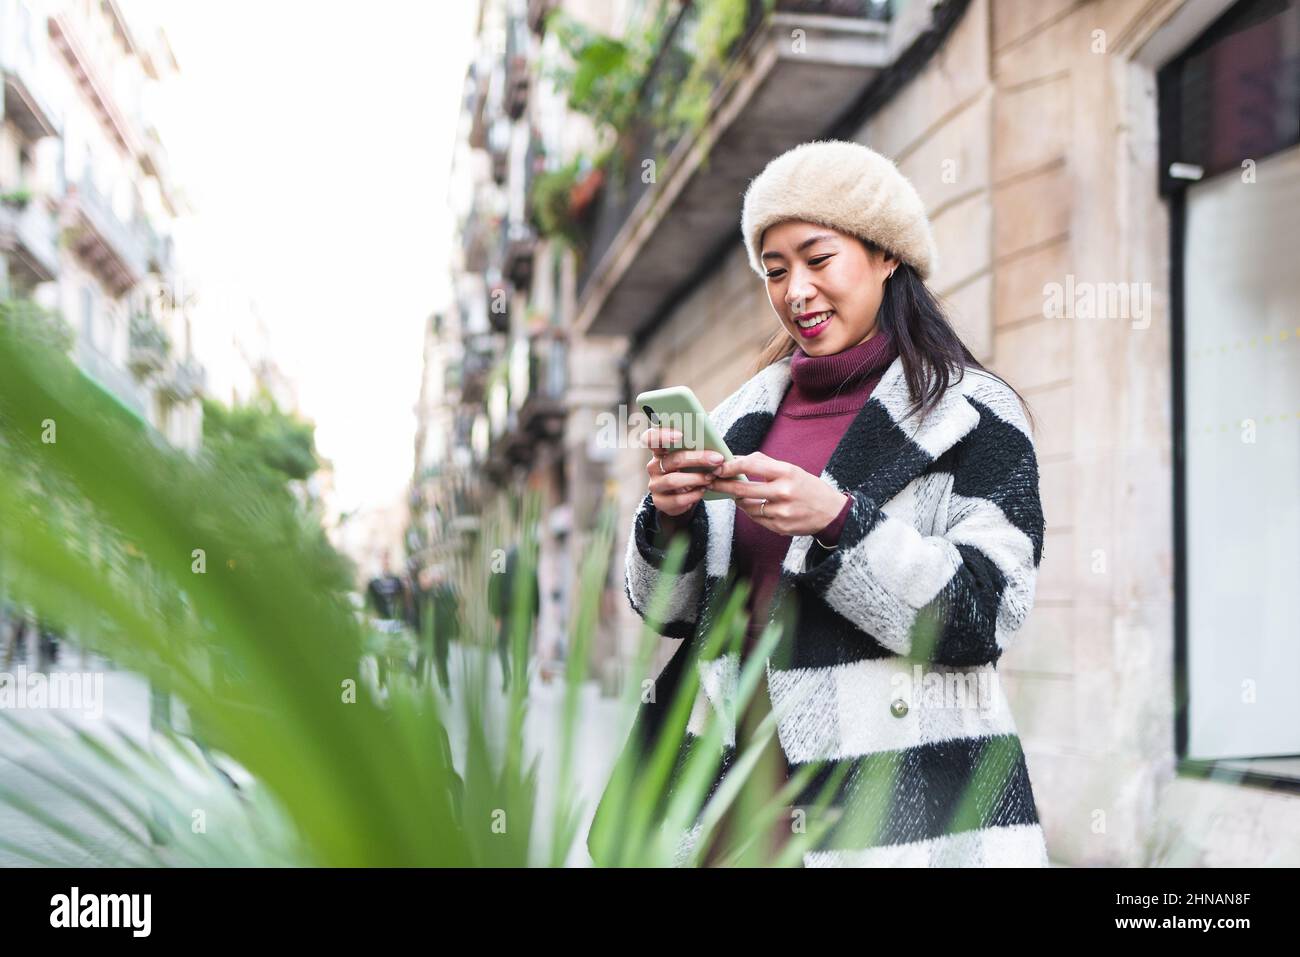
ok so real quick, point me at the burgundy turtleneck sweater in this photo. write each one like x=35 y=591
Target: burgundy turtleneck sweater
x=825 y=395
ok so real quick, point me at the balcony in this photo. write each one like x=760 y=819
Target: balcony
x=476 y=368
x=25 y=108
x=510 y=452
x=23 y=73
x=649 y=240
x=158 y=249
x=519 y=434
x=477 y=237
x=543 y=413
x=537 y=12
x=499 y=149
x=90 y=79
x=517 y=79
x=519 y=244
x=452 y=378
x=149 y=346
x=118 y=253
x=499 y=294
x=27 y=238
x=183 y=380
x=476 y=103
x=534 y=162
x=154 y=162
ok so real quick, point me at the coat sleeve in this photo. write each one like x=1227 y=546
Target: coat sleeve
x=647 y=548
x=951 y=599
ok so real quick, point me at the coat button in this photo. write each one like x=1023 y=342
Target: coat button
x=898 y=708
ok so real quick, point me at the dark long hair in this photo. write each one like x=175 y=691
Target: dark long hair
x=914 y=318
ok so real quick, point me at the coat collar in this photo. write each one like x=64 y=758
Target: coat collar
x=881 y=450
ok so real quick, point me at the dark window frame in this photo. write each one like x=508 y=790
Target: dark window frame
x=1244 y=13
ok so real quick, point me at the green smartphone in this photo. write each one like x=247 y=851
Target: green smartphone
x=677 y=408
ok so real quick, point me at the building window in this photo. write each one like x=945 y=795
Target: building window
x=1230 y=165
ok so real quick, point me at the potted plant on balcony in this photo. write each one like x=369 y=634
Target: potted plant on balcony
x=550 y=206
x=583 y=193
x=17 y=198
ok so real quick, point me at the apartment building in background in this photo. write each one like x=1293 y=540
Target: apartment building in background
x=87 y=201
x=510 y=399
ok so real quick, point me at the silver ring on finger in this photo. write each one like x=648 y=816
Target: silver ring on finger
x=760 y=509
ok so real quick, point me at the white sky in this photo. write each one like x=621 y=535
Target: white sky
x=315 y=142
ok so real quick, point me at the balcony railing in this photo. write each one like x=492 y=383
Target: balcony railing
x=499 y=294
x=767 y=97
x=149 y=346
x=620 y=195
x=476 y=101
x=479 y=233
x=517 y=78
x=25 y=107
x=23 y=70
x=476 y=367
x=518 y=245
x=117 y=251
x=27 y=235
x=537 y=11
x=534 y=162
x=499 y=148
x=91 y=78
x=544 y=408
x=184 y=380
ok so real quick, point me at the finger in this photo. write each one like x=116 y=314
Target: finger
x=685 y=458
x=675 y=503
x=754 y=490
x=754 y=465
x=753 y=507
x=659 y=462
x=677 y=481
x=689 y=498
x=657 y=437
x=733 y=466
x=678 y=505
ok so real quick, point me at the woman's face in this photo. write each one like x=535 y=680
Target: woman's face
x=815 y=270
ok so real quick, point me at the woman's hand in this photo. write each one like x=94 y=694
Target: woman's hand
x=673 y=491
x=798 y=502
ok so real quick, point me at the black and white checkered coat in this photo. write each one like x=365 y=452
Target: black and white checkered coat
x=933 y=576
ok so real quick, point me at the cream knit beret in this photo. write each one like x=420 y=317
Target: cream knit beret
x=845 y=185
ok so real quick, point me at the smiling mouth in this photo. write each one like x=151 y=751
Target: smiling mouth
x=814 y=320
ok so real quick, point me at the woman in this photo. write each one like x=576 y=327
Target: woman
x=891 y=517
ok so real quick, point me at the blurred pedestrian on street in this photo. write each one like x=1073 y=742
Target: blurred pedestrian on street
x=389 y=598
x=387 y=592
x=501 y=601
x=439 y=621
